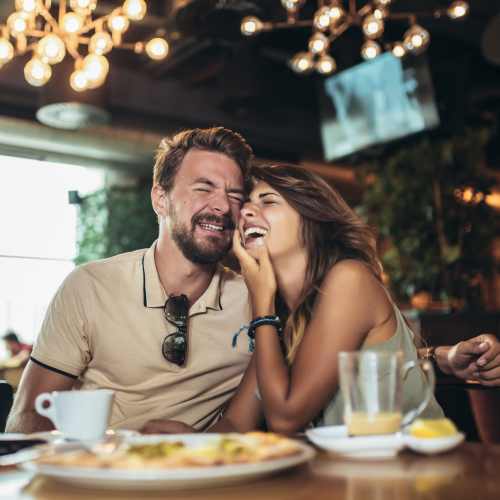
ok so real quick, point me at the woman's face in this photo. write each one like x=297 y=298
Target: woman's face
x=267 y=217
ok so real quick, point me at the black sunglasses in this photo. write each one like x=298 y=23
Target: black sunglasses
x=174 y=347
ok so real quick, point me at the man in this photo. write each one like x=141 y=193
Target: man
x=123 y=323
x=19 y=351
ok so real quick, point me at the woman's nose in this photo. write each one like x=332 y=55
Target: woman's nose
x=248 y=210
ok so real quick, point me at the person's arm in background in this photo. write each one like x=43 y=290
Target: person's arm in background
x=35 y=380
x=477 y=359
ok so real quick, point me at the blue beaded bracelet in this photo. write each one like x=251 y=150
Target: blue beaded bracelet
x=264 y=320
x=260 y=321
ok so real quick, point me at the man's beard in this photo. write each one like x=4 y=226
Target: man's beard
x=201 y=252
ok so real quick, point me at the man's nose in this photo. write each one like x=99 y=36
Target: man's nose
x=220 y=203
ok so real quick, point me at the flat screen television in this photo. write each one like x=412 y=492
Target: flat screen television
x=376 y=102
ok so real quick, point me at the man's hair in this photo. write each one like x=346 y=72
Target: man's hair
x=10 y=336
x=172 y=150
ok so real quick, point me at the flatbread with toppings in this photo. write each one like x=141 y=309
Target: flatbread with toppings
x=224 y=449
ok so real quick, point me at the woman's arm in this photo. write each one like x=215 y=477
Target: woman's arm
x=351 y=303
x=244 y=412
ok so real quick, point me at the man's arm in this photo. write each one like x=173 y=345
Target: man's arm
x=477 y=358
x=35 y=380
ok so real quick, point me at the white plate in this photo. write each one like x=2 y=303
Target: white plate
x=335 y=439
x=56 y=436
x=181 y=478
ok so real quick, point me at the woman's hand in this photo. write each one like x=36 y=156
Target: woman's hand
x=258 y=272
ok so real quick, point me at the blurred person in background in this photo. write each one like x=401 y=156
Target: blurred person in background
x=19 y=351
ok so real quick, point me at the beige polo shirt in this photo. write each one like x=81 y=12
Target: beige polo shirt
x=105 y=325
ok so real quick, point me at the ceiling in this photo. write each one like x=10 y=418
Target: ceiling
x=215 y=76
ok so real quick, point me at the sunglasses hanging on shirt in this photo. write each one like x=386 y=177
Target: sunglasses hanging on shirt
x=174 y=347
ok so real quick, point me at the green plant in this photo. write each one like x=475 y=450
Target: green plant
x=428 y=202
x=115 y=220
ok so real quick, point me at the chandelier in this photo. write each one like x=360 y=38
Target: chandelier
x=332 y=18
x=50 y=32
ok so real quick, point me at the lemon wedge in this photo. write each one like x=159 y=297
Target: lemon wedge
x=432 y=428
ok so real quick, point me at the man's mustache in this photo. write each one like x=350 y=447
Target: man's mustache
x=225 y=221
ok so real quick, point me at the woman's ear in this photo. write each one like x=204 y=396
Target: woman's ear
x=159 y=200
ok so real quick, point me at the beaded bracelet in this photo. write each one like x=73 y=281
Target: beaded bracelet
x=264 y=320
x=260 y=321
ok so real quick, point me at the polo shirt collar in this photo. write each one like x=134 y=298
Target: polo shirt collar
x=155 y=296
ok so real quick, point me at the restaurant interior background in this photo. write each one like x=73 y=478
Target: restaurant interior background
x=77 y=189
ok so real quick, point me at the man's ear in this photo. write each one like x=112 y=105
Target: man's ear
x=159 y=200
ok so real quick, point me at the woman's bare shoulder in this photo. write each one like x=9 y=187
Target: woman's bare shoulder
x=350 y=273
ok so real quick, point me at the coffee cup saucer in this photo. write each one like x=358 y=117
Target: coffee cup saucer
x=335 y=439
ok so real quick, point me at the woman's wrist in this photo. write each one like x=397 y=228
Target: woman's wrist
x=263 y=308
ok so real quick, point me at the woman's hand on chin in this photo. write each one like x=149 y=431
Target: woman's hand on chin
x=258 y=272
x=166 y=427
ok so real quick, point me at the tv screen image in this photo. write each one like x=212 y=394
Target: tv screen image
x=375 y=102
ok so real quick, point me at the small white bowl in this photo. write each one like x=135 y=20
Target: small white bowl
x=432 y=446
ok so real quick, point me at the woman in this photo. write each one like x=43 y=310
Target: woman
x=308 y=258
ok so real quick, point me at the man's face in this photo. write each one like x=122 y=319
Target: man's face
x=13 y=347
x=203 y=206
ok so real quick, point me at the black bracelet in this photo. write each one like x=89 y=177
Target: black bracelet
x=264 y=320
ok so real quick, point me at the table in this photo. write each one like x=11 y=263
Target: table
x=470 y=471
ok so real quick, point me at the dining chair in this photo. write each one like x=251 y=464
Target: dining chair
x=6 y=398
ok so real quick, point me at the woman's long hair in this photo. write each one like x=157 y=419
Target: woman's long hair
x=331 y=231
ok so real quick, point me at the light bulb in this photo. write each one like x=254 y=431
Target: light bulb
x=251 y=25
x=37 y=72
x=72 y=23
x=373 y=27
x=157 y=48
x=292 y=5
x=370 y=49
x=135 y=9
x=100 y=43
x=6 y=51
x=337 y=13
x=458 y=9
x=96 y=69
x=383 y=3
x=51 y=49
x=318 y=43
x=326 y=64
x=322 y=19
x=302 y=62
x=380 y=13
x=118 y=22
x=18 y=22
x=28 y=6
x=416 y=39
x=79 y=80
x=81 y=6
x=398 y=49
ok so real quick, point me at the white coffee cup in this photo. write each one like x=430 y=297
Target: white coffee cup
x=82 y=415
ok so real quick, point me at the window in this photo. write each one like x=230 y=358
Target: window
x=37 y=237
